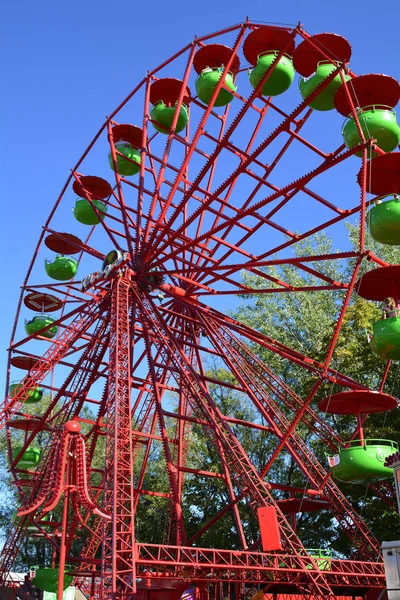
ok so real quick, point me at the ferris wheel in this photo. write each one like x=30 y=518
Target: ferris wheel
x=215 y=165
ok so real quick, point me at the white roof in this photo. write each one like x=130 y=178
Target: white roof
x=15 y=576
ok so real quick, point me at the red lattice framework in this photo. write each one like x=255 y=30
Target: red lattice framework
x=208 y=204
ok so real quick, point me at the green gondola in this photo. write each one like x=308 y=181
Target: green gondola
x=324 y=99
x=62 y=268
x=208 y=81
x=29 y=459
x=279 y=80
x=363 y=461
x=46 y=578
x=376 y=123
x=163 y=116
x=84 y=212
x=30 y=396
x=383 y=220
x=35 y=326
x=125 y=167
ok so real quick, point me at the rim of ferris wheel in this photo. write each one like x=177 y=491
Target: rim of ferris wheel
x=353 y=402
x=181 y=224
x=168 y=90
x=63 y=243
x=383 y=174
x=213 y=56
x=131 y=134
x=320 y=47
x=380 y=283
x=265 y=39
x=24 y=362
x=374 y=89
x=95 y=187
x=300 y=505
x=40 y=301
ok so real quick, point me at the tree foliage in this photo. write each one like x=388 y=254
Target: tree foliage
x=305 y=321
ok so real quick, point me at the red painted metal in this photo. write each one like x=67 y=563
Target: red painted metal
x=40 y=302
x=269 y=529
x=38 y=370
x=243 y=471
x=215 y=55
x=319 y=47
x=367 y=90
x=23 y=362
x=63 y=243
x=252 y=567
x=300 y=505
x=383 y=174
x=379 y=284
x=124 y=132
x=169 y=91
x=96 y=187
x=264 y=39
x=357 y=401
x=28 y=424
x=206 y=206
x=118 y=557
x=314 y=471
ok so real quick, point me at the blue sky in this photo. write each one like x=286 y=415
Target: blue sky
x=66 y=65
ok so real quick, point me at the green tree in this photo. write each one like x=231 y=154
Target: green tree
x=305 y=321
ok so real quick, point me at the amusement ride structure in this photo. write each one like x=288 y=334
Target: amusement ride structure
x=217 y=166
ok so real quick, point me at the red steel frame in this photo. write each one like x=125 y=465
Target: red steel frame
x=118 y=559
x=190 y=238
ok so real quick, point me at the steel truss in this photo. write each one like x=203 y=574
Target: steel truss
x=186 y=228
